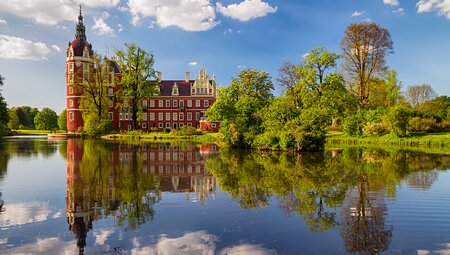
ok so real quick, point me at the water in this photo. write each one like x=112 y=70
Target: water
x=92 y=197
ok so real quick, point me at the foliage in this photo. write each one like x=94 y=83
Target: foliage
x=186 y=130
x=4 y=117
x=397 y=120
x=62 y=120
x=374 y=129
x=365 y=47
x=13 y=122
x=94 y=126
x=46 y=119
x=139 y=79
x=353 y=124
x=419 y=124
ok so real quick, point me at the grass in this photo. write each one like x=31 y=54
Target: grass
x=34 y=132
x=206 y=138
x=436 y=140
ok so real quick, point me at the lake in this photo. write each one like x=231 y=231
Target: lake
x=87 y=196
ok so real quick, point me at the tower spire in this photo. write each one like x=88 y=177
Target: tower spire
x=80 y=29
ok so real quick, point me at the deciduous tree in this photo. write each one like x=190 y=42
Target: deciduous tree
x=62 y=120
x=139 y=79
x=365 y=47
x=418 y=94
x=46 y=120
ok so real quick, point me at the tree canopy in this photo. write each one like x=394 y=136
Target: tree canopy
x=46 y=119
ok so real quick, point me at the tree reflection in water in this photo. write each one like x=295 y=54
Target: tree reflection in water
x=353 y=181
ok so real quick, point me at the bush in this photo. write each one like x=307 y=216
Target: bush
x=397 y=120
x=186 y=130
x=166 y=130
x=445 y=126
x=374 y=129
x=267 y=140
x=419 y=124
x=353 y=124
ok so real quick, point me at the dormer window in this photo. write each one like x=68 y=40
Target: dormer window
x=85 y=53
x=175 y=90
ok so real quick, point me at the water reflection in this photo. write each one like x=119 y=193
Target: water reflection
x=125 y=181
x=356 y=181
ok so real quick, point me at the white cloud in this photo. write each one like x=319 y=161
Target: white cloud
x=19 y=48
x=193 y=63
x=399 y=11
x=120 y=28
x=51 y=12
x=52 y=245
x=357 y=13
x=441 y=6
x=101 y=28
x=391 y=2
x=23 y=213
x=56 y=47
x=247 y=249
x=189 y=15
x=102 y=235
x=246 y=10
x=3 y=22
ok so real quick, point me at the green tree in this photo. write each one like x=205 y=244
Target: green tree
x=238 y=107
x=365 y=47
x=13 y=119
x=393 y=87
x=46 y=120
x=139 y=79
x=62 y=120
x=4 y=116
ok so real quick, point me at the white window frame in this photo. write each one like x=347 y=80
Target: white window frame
x=160 y=125
x=181 y=116
x=205 y=103
x=189 y=103
x=167 y=115
x=175 y=116
x=152 y=116
x=160 y=116
x=197 y=103
x=144 y=116
x=160 y=103
x=152 y=103
x=167 y=103
x=189 y=116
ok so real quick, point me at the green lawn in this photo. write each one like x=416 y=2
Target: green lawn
x=35 y=132
x=441 y=140
x=158 y=136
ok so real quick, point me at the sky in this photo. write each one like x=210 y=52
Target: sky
x=222 y=37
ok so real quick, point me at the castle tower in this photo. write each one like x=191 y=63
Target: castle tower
x=79 y=63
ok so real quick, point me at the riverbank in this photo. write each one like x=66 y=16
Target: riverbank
x=207 y=138
x=435 y=140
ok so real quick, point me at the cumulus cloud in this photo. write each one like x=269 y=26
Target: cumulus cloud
x=247 y=249
x=189 y=15
x=56 y=47
x=101 y=28
x=3 y=22
x=52 y=245
x=193 y=63
x=23 y=213
x=357 y=13
x=399 y=11
x=102 y=235
x=120 y=28
x=18 y=48
x=246 y=10
x=442 y=7
x=391 y=2
x=51 y=12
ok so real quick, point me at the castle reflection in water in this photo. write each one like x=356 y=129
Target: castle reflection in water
x=125 y=181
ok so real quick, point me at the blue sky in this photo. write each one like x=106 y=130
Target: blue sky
x=221 y=36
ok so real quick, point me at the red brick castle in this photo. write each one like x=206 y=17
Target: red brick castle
x=178 y=103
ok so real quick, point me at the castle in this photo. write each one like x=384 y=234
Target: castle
x=178 y=103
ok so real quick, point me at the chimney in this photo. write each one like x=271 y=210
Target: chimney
x=188 y=76
x=159 y=74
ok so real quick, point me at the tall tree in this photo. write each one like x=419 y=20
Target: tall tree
x=365 y=47
x=13 y=122
x=139 y=79
x=62 y=120
x=418 y=94
x=94 y=87
x=287 y=80
x=4 y=116
x=46 y=120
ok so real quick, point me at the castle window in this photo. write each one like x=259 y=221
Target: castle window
x=70 y=103
x=181 y=103
x=175 y=116
x=189 y=116
x=71 y=67
x=167 y=125
x=213 y=125
x=181 y=116
x=71 y=116
x=160 y=116
x=175 y=103
x=160 y=103
x=144 y=125
x=197 y=116
x=167 y=115
x=152 y=103
x=120 y=116
x=110 y=92
x=205 y=103
x=160 y=125
x=144 y=116
x=189 y=103
x=197 y=103
x=86 y=53
x=144 y=104
x=126 y=116
x=70 y=90
x=85 y=67
x=152 y=116
x=167 y=103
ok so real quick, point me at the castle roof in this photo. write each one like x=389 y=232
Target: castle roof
x=80 y=41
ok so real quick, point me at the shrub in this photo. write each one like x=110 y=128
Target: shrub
x=419 y=124
x=186 y=130
x=267 y=140
x=397 y=120
x=445 y=126
x=353 y=124
x=374 y=129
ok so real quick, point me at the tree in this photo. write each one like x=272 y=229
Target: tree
x=393 y=87
x=62 y=120
x=139 y=78
x=239 y=106
x=416 y=95
x=13 y=122
x=287 y=79
x=46 y=120
x=365 y=46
